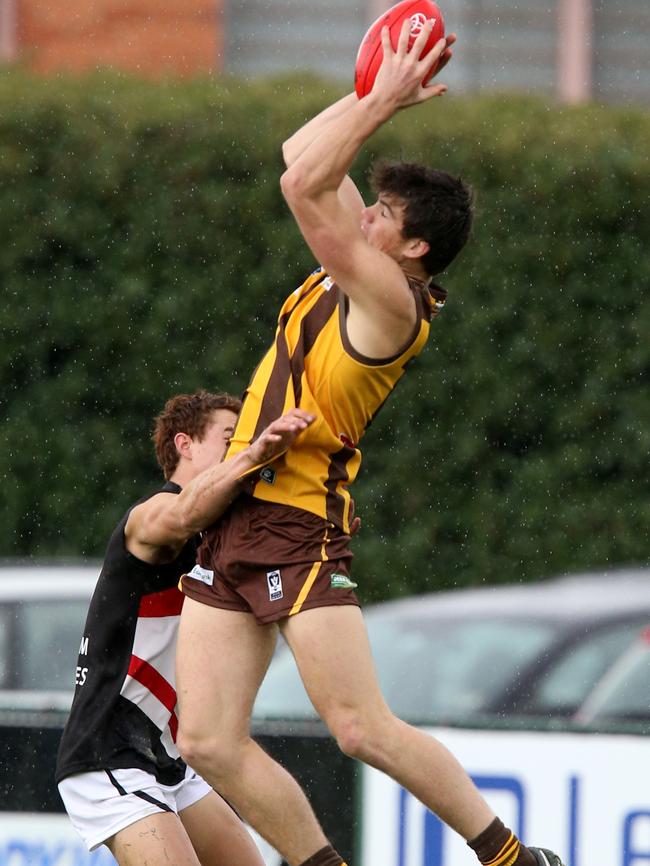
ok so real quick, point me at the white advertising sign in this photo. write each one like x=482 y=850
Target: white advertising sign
x=586 y=796
x=28 y=839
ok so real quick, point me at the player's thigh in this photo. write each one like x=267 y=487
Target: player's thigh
x=332 y=651
x=217 y=835
x=221 y=659
x=157 y=840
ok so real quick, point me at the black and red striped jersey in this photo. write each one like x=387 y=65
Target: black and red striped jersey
x=123 y=713
x=312 y=365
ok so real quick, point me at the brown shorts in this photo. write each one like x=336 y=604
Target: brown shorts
x=271 y=560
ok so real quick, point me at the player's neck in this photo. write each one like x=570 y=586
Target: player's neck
x=182 y=475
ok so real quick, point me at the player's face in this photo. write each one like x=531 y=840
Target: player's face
x=211 y=448
x=382 y=224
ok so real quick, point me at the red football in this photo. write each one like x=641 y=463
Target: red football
x=370 y=51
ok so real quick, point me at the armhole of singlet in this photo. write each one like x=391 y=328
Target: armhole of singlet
x=344 y=304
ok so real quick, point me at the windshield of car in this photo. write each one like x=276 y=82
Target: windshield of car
x=567 y=682
x=624 y=693
x=444 y=670
x=429 y=670
x=48 y=633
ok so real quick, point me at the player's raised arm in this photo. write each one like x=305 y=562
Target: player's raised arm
x=367 y=262
x=296 y=144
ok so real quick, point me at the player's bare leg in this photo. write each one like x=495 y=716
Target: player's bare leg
x=157 y=839
x=331 y=648
x=217 y=835
x=207 y=833
x=222 y=657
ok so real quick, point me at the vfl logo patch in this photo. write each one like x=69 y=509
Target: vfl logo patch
x=274 y=581
x=342 y=581
x=202 y=574
x=267 y=474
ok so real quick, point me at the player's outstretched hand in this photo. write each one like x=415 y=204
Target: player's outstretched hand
x=279 y=435
x=402 y=71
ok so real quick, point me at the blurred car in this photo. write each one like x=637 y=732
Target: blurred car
x=489 y=655
x=42 y=614
x=623 y=693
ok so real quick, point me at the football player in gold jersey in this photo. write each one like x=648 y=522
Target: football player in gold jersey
x=280 y=558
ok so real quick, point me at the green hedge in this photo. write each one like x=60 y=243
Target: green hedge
x=146 y=248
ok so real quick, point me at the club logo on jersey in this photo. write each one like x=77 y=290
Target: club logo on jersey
x=342 y=581
x=274 y=581
x=202 y=574
x=267 y=474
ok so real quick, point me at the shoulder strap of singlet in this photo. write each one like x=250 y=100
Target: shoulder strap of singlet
x=431 y=296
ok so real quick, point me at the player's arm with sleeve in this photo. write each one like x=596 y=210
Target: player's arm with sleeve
x=372 y=280
x=158 y=528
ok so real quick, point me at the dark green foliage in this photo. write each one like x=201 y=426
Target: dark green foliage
x=145 y=251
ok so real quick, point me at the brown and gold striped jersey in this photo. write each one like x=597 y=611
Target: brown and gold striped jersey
x=312 y=366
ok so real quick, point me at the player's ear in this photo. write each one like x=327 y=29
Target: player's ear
x=183 y=444
x=416 y=248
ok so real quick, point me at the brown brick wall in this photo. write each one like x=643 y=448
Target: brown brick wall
x=150 y=37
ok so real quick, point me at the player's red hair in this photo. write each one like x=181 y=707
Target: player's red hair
x=190 y=414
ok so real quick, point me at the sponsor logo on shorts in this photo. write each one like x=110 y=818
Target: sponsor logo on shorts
x=267 y=474
x=202 y=574
x=274 y=581
x=342 y=581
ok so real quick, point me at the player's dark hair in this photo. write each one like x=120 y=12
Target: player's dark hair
x=438 y=208
x=190 y=414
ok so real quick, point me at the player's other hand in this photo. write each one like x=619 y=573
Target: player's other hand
x=355 y=522
x=447 y=54
x=279 y=435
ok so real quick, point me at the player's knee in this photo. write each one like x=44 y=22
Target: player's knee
x=362 y=735
x=351 y=733
x=352 y=743
x=206 y=753
x=193 y=747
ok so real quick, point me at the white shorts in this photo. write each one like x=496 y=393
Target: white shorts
x=103 y=802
